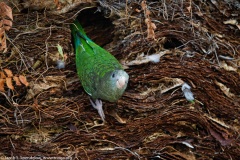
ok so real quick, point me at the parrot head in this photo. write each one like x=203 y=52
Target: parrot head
x=112 y=85
x=120 y=79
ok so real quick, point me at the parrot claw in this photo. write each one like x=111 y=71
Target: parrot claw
x=98 y=105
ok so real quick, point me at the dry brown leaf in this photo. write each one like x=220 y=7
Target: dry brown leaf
x=3 y=44
x=23 y=79
x=5 y=24
x=6 y=11
x=143 y=5
x=150 y=26
x=50 y=82
x=2 y=75
x=9 y=83
x=153 y=26
x=16 y=79
x=147 y=21
x=148 y=12
x=225 y=90
x=65 y=56
x=8 y=72
x=189 y=9
x=2 y=85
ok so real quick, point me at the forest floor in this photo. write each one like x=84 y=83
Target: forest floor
x=49 y=115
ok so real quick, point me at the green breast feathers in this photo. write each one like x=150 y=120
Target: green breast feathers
x=100 y=73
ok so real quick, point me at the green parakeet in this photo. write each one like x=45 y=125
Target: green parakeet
x=100 y=73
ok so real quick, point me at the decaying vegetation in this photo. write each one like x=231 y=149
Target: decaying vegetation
x=162 y=44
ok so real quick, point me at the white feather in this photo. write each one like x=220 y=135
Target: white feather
x=154 y=58
x=60 y=64
x=187 y=92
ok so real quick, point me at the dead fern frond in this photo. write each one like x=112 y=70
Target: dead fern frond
x=150 y=25
x=5 y=24
x=8 y=78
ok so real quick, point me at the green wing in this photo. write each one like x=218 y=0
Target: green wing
x=92 y=61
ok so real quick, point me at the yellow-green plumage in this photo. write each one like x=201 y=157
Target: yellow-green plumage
x=98 y=70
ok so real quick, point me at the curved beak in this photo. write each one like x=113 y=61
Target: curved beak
x=121 y=82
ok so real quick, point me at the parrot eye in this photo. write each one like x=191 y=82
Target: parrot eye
x=113 y=75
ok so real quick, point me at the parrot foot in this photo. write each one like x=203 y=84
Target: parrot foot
x=98 y=105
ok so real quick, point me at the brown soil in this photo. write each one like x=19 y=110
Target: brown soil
x=53 y=117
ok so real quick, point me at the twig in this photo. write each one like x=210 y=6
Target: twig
x=133 y=153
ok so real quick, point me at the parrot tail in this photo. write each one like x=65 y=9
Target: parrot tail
x=78 y=33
